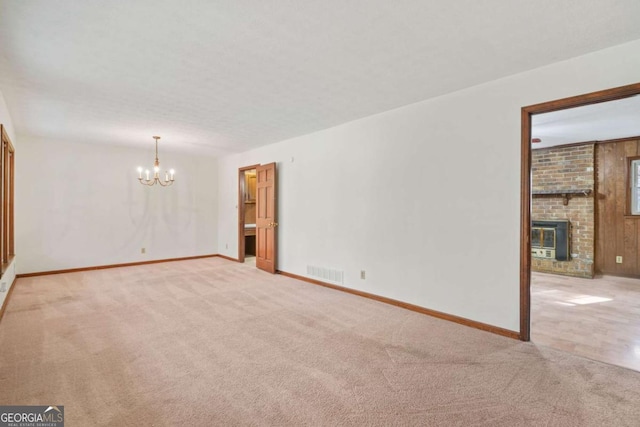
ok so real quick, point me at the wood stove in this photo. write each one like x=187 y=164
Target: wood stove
x=550 y=239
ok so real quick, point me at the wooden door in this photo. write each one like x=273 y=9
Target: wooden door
x=266 y=217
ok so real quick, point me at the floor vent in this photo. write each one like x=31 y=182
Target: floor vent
x=325 y=274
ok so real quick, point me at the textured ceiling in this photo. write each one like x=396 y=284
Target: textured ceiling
x=596 y=122
x=216 y=77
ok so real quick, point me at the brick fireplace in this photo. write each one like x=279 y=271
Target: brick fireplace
x=562 y=191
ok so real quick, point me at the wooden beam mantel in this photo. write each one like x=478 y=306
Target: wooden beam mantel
x=565 y=194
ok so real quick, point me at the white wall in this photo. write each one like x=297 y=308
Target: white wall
x=80 y=205
x=10 y=274
x=425 y=198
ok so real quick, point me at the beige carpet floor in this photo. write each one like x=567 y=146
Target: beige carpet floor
x=211 y=342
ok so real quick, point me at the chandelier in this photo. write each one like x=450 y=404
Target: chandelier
x=168 y=176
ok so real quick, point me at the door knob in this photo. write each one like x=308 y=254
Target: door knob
x=274 y=224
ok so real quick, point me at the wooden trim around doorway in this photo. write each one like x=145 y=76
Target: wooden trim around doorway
x=241 y=247
x=525 y=186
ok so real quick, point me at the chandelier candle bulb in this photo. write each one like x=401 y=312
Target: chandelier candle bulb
x=139 y=173
x=172 y=172
x=147 y=174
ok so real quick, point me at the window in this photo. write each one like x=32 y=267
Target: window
x=7 y=164
x=634 y=191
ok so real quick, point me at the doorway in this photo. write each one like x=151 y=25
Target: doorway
x=247 y=214
x=527 y=233
x=257 y=212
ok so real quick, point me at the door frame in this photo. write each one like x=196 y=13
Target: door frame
x=241 y=181
x=525 y=183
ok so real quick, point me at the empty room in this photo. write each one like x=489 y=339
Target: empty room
x=309 y=213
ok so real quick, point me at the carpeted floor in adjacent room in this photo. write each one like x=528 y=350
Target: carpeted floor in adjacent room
x=212 y=342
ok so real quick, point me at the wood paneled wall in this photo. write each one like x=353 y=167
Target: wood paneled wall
x=617 y=233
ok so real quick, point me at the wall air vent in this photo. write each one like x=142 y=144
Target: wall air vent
x=325 y=274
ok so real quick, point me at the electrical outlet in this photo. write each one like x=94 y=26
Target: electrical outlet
x=618 y=260
x=143 y=250
x=362 y=274
x=3 y=287
x=226 y=246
